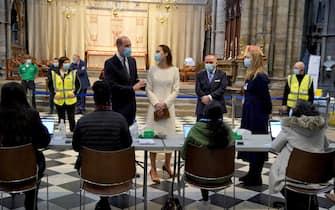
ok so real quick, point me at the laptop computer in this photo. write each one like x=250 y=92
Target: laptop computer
x=186 y=129
x=275 y=128
x=49 y=123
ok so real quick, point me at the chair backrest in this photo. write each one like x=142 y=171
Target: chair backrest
x=108 y=167
x=210 y=163
x=17 y=163
x=311 y=167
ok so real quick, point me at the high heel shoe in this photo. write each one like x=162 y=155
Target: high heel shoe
x=154 y=179
x=171 y=174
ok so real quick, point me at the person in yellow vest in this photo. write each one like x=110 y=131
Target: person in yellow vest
x=299 y=85
x=65 y=85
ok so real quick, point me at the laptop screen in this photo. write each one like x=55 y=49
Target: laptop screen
x=275 y=128
x=186 y=129
x=49 y=123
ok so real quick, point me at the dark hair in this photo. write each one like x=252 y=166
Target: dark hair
x=13 y=96
x=14 y=113
x=218 y=132
x=61 y=61
x=167 y=50
x=303 y=107
x=101 y=93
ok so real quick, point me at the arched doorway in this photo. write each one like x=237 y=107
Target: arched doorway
x=18 y=32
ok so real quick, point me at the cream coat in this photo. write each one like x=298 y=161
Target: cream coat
x=305 y=133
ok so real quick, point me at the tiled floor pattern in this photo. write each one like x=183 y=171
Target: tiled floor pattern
x=64 y=187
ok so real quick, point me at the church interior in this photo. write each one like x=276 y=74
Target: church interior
x=284 y=31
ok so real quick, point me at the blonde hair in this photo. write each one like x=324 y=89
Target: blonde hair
x=256 y=66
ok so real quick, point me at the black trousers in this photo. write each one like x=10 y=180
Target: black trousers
x=30 y=84
x=69 y=109
x=31 y=195
x=81 y=101
x=51 y=102
x=299 y=201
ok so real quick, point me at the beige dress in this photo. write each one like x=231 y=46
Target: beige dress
x=162 y=86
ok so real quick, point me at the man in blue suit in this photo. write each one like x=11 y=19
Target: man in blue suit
x=210 y=85
x=81 y=68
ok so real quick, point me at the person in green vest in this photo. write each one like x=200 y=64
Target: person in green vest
x=299 y=85
x=28 y=72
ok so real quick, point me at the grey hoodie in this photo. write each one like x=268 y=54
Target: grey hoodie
x=305 y=133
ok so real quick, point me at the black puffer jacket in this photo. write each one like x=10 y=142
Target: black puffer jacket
x=101 y=130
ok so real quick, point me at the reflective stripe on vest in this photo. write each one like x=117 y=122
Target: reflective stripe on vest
x=64 y=87
x=296 y=91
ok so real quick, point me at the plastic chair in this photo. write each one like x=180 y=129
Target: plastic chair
x=107 y=173
x=18 y=173
x=203 y=171
x=310 y=173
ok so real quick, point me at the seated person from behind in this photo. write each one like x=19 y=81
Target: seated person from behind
x=20 y=124
x=304 y=130
x=211 y=132
x=102 y=129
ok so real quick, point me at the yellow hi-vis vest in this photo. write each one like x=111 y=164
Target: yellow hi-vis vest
x=64 y=87
x=296 y=91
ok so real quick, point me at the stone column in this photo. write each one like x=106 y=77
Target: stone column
x=219 y=32
x=3 y=25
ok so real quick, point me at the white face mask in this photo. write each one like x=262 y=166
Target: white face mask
x=28 y=61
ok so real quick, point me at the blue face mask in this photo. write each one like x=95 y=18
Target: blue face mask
x=55 y=65
x=74 y=62
x=296 y=71
x=158 y=57
x=66 y=66
x=209 y=67
x=127 y=52
x=247 y=62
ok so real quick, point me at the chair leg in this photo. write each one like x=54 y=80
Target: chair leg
x=309 y=202
x=13 y=201
x=35 y=199
x=47 y=192
x=129 y=200
x=83 y=199
x=135 y=193
x=234 y=191
x=1 y=201
x=183 y=185
x=80 y=198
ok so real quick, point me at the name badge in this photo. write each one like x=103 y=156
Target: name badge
x=217 y=80
x=245 y=87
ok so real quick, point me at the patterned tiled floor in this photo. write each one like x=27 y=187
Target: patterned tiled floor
x=64 y=187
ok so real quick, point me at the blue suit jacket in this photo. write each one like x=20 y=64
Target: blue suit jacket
x=82 y=74
x=216 y=89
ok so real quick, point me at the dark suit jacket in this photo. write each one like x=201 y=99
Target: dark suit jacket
x=216 y=89
x=121 y=86
x=82 y=74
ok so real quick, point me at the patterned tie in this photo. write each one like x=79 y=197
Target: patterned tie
x=210 y=77
x=125 y=66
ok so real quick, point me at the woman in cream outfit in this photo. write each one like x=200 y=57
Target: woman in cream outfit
x=162 y=89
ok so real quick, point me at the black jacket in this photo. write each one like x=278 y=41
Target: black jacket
x=19 y=129
x=216 y=89
x=102 y=130
x=121 y=86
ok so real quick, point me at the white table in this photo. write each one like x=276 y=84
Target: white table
x=254 y=143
